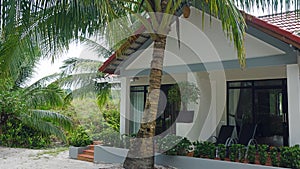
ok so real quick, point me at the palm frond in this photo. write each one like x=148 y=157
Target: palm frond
x=272 y=6
x=52 y=95
x=43 y=126
x=100 y=49
x=233 y=23
x=56 y=118
x=44 y=82
x=79 y=65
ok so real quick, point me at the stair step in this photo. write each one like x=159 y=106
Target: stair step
x=97 y=142
x=85 y=157
x=89 y=152
x=91 y=147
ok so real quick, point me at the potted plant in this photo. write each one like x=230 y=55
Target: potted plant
x=184 y=93
x=168 y=144
x=251 y=154
x=197 y=148
x=212 y=152
x=289 y=157
x=183 y=147
x=233 y=152
x=221 y=151
x=78 y=141
x=263 y=154
x=274 y=156
x=241 y=150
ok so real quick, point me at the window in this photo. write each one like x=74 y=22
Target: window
x=167 y=112
x=261 y=102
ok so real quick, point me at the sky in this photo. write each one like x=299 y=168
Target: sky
x=45 y=67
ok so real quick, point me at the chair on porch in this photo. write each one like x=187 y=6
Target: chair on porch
x=246 y=136
x=224 y=135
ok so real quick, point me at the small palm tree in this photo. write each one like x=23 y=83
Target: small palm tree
x=82 y=76
x=28 y=104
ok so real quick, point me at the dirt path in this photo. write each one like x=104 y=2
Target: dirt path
x=15 y=158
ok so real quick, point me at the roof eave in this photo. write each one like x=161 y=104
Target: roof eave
x=273 y=30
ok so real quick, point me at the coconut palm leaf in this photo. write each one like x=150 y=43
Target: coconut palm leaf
x=82 y=75
x=56 y=118
x=52 y=95
x=43 y=126
x=79 y=65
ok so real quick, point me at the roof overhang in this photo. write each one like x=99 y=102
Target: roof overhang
x=136 y=44
x=273 y=30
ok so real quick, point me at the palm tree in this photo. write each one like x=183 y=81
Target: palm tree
x=53 y=24
x=82 y=75
x=29 y=106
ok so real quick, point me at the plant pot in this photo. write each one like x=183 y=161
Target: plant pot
x=190 y=154
x=185 y=117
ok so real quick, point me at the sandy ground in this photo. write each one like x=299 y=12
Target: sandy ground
x=15 y=158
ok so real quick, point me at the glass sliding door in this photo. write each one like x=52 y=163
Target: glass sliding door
x=240 y=107
x=271 y=116
x=262 y=102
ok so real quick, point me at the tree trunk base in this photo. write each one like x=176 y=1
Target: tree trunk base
x=139 y=163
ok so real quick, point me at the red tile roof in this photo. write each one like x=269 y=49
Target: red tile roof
x=289 y=21
x=277 y=27
x=284 y=27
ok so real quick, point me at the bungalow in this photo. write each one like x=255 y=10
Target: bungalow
x=266 y=93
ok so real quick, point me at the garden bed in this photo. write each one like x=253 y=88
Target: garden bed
x=183 y=162
x=106 y=154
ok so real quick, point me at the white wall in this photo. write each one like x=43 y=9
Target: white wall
x=210 y=113
x=125 y=104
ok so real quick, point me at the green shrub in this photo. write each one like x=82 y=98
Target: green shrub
x=222 y=151
x=79 y=138
x=207 y=149
x=197 y=146
x=15 y=134
x=274 y=156
x=183 y=147
x=234 y=152
x=112 y=118
x=263 y=154
x=241 y=152
x=289 y=157
x=251 y=154
x=212 y=153
x=109 y=137
x=168 y=144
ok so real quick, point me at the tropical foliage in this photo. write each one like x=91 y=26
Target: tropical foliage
x=23 y=108
x=79 y=138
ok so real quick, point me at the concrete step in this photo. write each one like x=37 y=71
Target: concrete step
x=89 y=152
x=85 y=157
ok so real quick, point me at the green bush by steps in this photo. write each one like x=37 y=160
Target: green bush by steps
x=15 y=134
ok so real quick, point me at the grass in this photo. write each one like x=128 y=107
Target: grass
x=53 y=152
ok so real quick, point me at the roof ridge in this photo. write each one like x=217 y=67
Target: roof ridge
x=281 y=13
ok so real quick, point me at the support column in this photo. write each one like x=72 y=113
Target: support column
x=125 y=105
x=293 y=87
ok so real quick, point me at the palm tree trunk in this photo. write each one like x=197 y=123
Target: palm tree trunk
x=141 y=152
